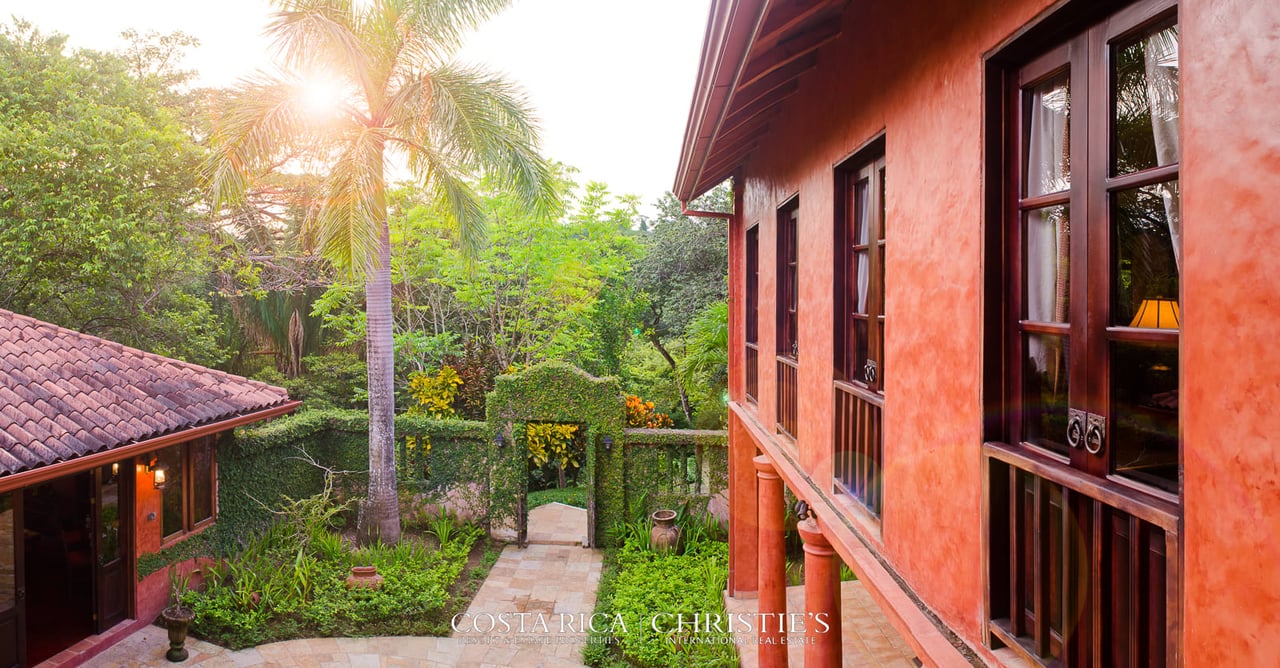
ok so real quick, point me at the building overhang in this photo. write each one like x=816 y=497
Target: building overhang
x=753 y=55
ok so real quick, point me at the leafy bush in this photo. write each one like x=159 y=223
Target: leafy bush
x=433 y=393
x=639 y=584
x=641 y=413
x=554 y=443
x=290 y=582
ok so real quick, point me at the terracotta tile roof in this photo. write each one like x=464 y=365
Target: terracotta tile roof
x=64 y=394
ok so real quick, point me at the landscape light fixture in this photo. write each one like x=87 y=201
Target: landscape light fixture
x=499 y=441
x=608 y=444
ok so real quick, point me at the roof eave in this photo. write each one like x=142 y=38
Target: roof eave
x=731 y=28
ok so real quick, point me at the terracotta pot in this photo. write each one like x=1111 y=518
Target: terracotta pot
x=664 y=538
x=176 y=620
x=364 y=576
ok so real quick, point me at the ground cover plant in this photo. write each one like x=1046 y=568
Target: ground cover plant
x=569 y=496
x=638 y=584
x=290 y=581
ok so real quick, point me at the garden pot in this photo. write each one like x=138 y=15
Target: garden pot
x=665 y=535
x=176 y=620
x=364 y=576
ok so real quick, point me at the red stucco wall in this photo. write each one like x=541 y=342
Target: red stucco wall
x=1230 y=338
x=913 y=70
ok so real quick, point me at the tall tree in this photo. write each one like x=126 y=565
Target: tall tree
x=684 y=269
x=397 y=95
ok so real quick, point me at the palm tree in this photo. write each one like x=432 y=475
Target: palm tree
x=400 y=97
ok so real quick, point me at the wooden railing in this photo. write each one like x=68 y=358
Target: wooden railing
x=1083 y=571
x=788 y=385
x=753 y=371
x=859 y=443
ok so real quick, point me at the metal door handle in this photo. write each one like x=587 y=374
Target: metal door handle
x=1075 y=427
x=1096 y=434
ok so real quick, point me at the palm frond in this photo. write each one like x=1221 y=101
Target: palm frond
x=439 y=26
x=259 y=129
x=324 y=33
x=351 y=220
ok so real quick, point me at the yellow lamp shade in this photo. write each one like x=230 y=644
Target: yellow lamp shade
x=1158 y=313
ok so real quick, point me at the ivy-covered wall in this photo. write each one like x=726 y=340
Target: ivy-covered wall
x=667 y=468
x=628 y=471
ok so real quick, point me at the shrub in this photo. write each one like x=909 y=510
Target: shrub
x=641 y=413
x=433 y=393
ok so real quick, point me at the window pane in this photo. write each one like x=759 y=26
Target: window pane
x=880 y=362
x=1147 y=229
x=859 y=356
x=1146 y=101
x=1048 y=138
x=171 y=517
x=1044 y=391
x=201 y=480
x=8 y=582
x=110 y=524
x=862 y=273
x=1047 y=264
x=861 y=213
x=1144 y=412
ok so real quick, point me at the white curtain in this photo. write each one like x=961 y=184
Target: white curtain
x=863 y=195
x=1048 y=230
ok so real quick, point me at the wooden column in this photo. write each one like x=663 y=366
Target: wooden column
x=771 y=629
x=823 y=648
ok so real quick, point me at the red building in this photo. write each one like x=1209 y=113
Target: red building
x=107 y=453
x=968 y=241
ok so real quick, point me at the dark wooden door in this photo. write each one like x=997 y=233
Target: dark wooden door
x=13 y=630
x=111 y=501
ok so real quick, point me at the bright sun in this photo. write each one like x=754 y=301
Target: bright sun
x=321 y=96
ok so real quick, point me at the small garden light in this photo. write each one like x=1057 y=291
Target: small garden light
x=608 y=443
x=499 y=441
x=802 y=510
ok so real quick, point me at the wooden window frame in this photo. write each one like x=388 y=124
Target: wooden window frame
x=189 y=524
x=868 y=164
x=752 y=328
x=788 y=285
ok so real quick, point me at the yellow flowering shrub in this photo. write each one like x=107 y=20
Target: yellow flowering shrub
x=434 y=393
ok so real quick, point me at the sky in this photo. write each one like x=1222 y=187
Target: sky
x=610 y=80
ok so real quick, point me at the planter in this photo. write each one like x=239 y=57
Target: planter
x=364 y=576
x=176 y=620
x=665 y=535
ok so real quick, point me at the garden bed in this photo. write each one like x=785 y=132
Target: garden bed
x=291 y=582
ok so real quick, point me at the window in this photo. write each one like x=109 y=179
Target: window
x=859 y=324
x=788 y=292
x=788 y=297
x=1095 y=249
x=753 y=315
x=1082 y=465
x=189 y=497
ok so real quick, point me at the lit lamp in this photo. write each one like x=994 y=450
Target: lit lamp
x=159 y=472
x=1158 y=313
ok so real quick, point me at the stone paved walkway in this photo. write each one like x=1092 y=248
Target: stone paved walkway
x=558 y=581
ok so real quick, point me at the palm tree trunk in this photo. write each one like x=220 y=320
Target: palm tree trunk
x=380 y=518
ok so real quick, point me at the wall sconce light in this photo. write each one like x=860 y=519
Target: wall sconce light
x=499 y=441
x=159 y=472
x=115 y=469
x=1158 y=313
x=608 y=444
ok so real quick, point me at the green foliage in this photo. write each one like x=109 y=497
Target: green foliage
x=434 y=393
x=639 y=584
x=554 y=443
x=705 y=367
x=331 y=380
x=569 y=496
x=290 y=582
x=97 y=224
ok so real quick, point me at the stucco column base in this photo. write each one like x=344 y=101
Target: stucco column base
x=771 y=607
x=823 y=646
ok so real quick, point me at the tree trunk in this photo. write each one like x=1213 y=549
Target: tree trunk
x=380 y=514
x=675 y=373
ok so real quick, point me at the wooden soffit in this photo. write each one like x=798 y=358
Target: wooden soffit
x=753 y=55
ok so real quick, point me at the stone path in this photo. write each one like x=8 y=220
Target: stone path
x=550 y=589
x=869 y=640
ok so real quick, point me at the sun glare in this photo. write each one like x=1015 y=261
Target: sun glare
x=321 y=97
